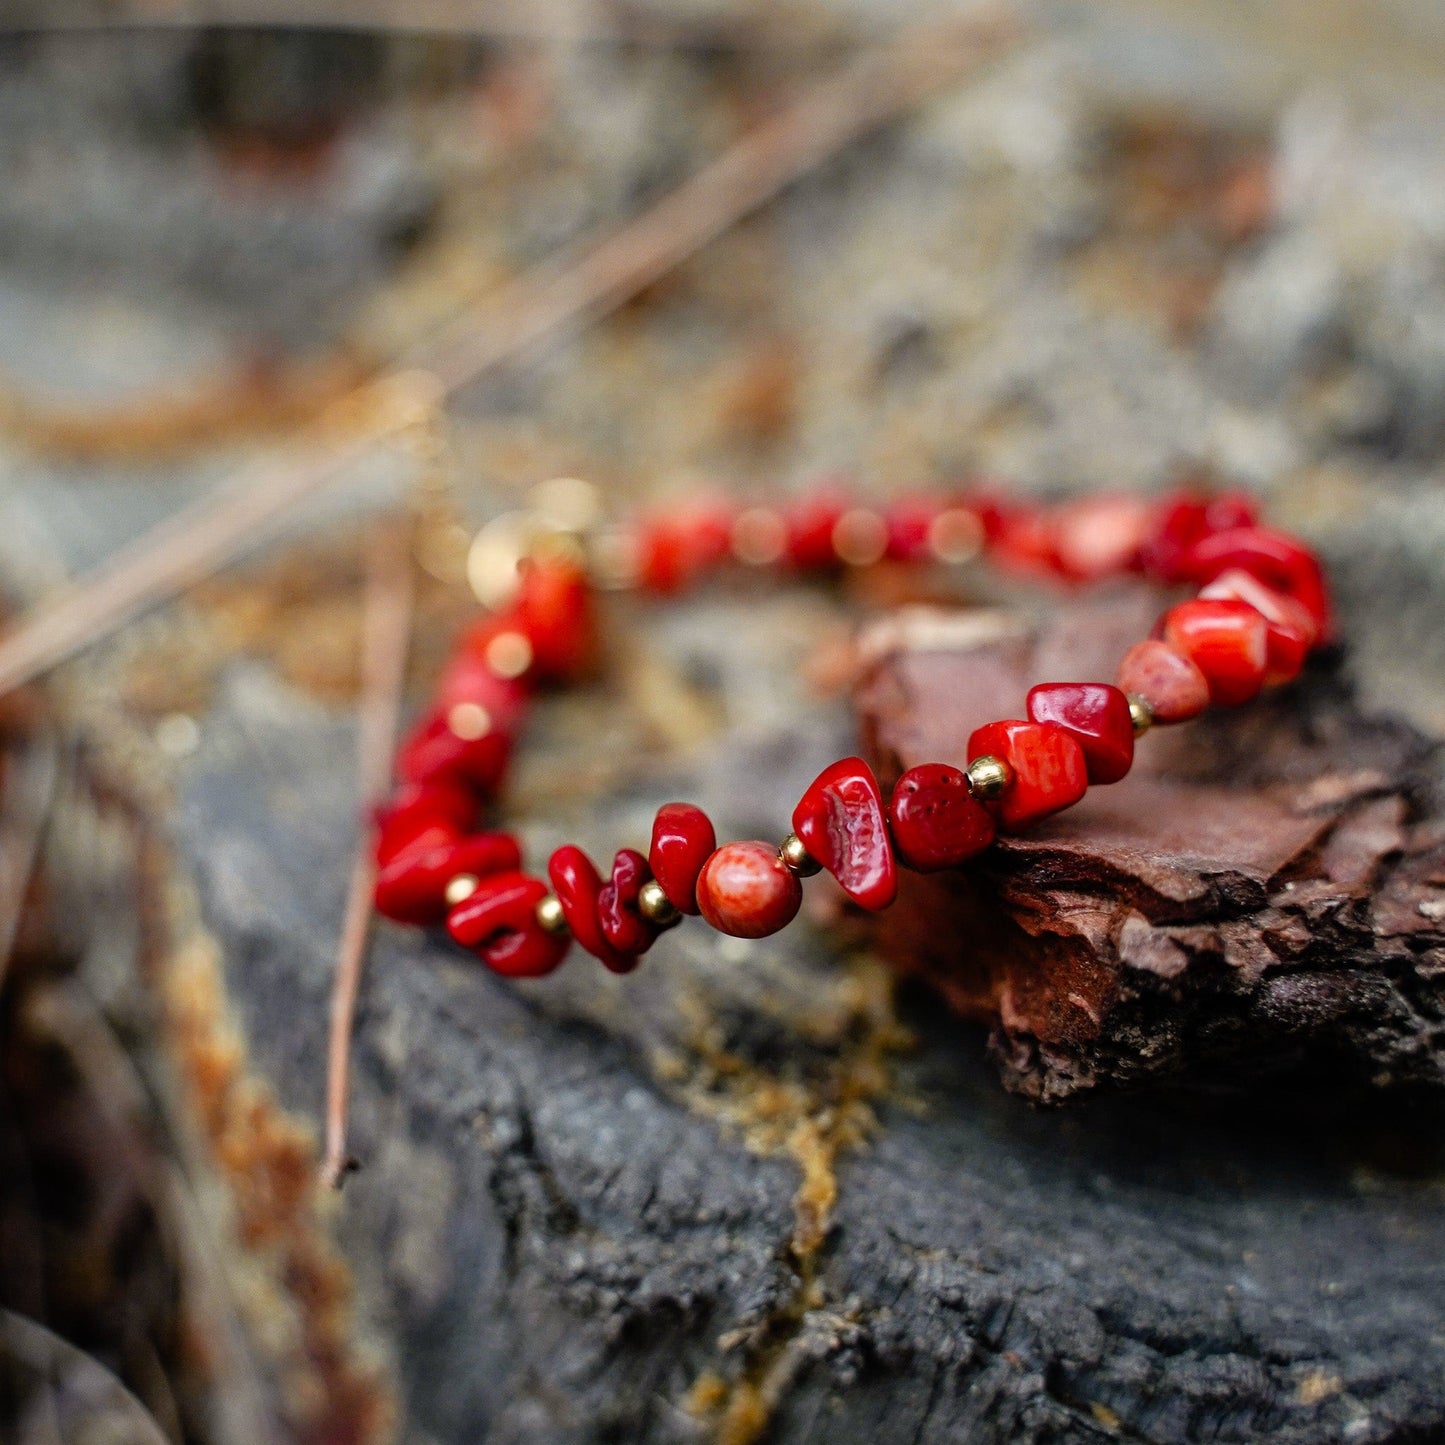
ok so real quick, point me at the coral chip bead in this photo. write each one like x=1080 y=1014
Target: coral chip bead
x=1226 y=640
x=1289 y=628
x=435 y=752
x=622 y=925
x=1049 y=772
x=840 y=822
x=746 y=890
x=554 y=611
x=1173 y=687
x=936 y=821
x=577 y=884
x=1096 y=716
x=1278 y=560
x=683 y=839
x=499 y=924
x=411 y=886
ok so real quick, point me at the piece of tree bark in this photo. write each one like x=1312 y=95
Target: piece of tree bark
x=1264 y=892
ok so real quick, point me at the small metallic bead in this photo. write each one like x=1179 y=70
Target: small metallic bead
x=655 y=906
x=469 y=721
x=1141 y=713
x=461 y=888
x=551 y=917
x=860 y=537
x=797 y=859
x=988 y=776
x=760 y=537
x=509 y=654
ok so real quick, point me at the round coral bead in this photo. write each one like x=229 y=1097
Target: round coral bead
x=1227 y=641
x=936 y=821
x=1096 y=716
x=683 y=839
x=1173 y=687
x=840 y=822
x=1049 y=772
x=746 y=890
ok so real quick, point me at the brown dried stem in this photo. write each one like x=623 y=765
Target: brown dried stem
x=386 y=630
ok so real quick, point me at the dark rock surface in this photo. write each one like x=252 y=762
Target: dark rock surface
x=560 y=1228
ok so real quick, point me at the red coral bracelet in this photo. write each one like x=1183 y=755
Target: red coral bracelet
x=1261 y=606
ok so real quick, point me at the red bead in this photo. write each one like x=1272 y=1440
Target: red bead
x=810 y=524
x=1049 y=772
x=411 y=886
x=747 y=891
x=683 y=839
x=577 y=884
x=910 y=522
x=673 y=551
x=444 y=810
x=840 y=822
x=1182 y=520
x=936 y=821
x=622 y=925
x=1228 y=643
x=1289 y=629
x=499 y=924
x=433 y=752
x=1281 y=562
x=1173 y=687
x=1096 y=716
x=469 y=679
x=554 y=612
x=1101 y=536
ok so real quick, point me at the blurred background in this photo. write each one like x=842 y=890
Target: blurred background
x=1123 y=243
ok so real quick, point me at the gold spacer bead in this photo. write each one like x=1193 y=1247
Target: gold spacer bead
x=796 y=858
x=469 y=721
x=509 y=654
x=461 y=888
x=655 y=906
x=760 y=537
x=988 y=776
x=550 y=916
x=860 y=537
x=1141 y=713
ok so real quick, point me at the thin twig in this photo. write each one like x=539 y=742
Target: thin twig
x=386 y=631
x=206 y=536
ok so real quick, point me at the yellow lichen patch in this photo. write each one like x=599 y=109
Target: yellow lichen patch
x=822 y=1107
x=296 y=1288
x=1317 y=1386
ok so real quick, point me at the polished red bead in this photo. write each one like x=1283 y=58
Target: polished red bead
x=1227 y=641
x=683 y=839
x=444 y=810
x=1096 y=716
x=909 y=522
x=747 y=891
x=468 y=678
x=1049 y=772
x=1289 y=629
x=434 y=752
x=499 y=924
x=622 y=925
x=935 y=819
x=840 y=821
x=1173 y=687
x=577 y=884
x=676 y=549
x=1183 y=519
x=1280 y=561
x=411 y=887
x=554 y=612
x=810 y=525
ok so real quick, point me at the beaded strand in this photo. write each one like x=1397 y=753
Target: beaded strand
x=1260 y=607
